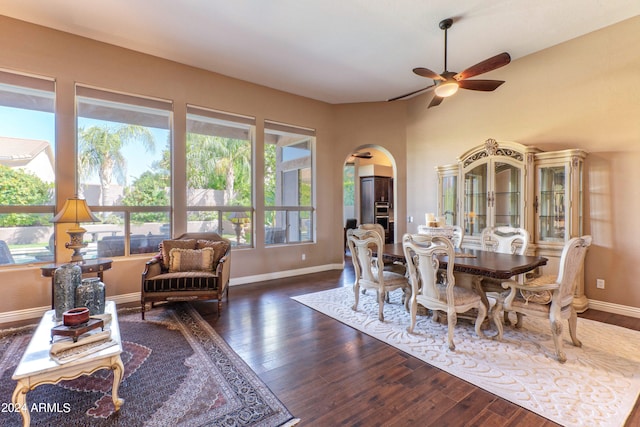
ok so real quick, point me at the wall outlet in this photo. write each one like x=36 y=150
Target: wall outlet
x=304 y=256
x=410 y=219
x=600 y=283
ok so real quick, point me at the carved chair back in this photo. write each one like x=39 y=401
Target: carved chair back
x=421 y=252
x=458 y=236
x=571 y=263
x=505 y=239
x=367 y=267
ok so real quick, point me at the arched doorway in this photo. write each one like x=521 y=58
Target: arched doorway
x=369 y=174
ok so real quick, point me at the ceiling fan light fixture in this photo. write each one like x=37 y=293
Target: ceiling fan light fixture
x=446 y=88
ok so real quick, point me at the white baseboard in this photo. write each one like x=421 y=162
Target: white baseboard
x=282 y=274
x=36 y=313
x=615 y=308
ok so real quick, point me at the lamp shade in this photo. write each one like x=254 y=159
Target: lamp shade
x=75 y=211
x=238 y=216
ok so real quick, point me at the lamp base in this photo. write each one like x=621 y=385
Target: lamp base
x=76 y=243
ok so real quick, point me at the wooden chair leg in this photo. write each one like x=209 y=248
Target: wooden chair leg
x=556 y=331
x=573 y=324
x=452 y=319
x=356 y=290
x=381 y=298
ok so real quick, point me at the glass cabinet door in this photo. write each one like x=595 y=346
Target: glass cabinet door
x=449 y=199
x=506 y=197
x=551 y=204
x=475 y=200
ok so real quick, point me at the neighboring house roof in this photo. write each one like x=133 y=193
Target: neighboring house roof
x=32 y=155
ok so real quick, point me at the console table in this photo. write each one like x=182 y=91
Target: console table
x=88 y=266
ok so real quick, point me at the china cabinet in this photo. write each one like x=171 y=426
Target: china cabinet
x=558 y=202
x=448 y=193
x=510 y=184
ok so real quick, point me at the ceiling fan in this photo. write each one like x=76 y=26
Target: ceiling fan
x=362 y=155
x=448 y=82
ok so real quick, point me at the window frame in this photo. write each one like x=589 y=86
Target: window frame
x=286 y=210
x=102 y=104
x=32 y=93
x=235 y=214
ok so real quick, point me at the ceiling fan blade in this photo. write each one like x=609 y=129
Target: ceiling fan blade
x=435 y=101
x=485 y=66
x=410 y=94
x=483 y=85
x=363 y=155
x=425 y=72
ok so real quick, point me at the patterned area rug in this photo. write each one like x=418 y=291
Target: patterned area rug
x=597 y=386
x=178 y=372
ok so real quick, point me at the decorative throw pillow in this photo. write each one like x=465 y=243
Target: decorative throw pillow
x=540 y=297
x=190 y=260
x=220 y=248
x=167 y=245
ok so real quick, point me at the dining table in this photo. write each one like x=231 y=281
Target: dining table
x=472 y=265
x=477 y=262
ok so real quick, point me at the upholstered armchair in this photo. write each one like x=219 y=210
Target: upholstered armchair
x=549 y=297
x=369 y=270
x=195 y=266
x=421 y=252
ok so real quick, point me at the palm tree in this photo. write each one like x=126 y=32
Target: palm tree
x=214 y=162
x=100 y=152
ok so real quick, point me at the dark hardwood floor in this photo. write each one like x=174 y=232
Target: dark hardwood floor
x=329 y=374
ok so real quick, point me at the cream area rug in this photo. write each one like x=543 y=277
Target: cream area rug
x=597 y=386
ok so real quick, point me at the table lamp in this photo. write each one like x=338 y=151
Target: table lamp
x=238 y=218
x=75 y=211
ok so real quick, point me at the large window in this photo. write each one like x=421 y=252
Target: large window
x=27 y=171
x=219 y=174
x=124 y=171
x=288 y=183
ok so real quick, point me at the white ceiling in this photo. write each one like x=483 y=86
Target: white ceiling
x=338 y=51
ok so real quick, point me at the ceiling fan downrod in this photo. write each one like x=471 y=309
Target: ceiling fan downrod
x=445 y=24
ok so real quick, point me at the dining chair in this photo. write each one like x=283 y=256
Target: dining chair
x=458 y=236
x=456 y=233
x=549 y=297
x=349 y=223
x=506 y=240
x=421 y=253
x=369 y=270
x=388 y=265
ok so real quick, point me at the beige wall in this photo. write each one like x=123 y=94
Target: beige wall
x=584 y=94
x=581 y=94
x=32 y=49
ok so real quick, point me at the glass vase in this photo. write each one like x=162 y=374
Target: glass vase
x=91 y=294
x=66 y=279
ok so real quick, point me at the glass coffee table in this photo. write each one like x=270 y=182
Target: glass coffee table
x=37 y=367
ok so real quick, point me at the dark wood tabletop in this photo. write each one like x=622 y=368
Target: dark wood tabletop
x=478 y=262
x=93 y=265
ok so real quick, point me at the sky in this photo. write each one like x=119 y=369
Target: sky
x=30 y=124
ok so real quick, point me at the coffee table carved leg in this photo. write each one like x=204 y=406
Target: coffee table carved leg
x=118 y=373
x=19 y=399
